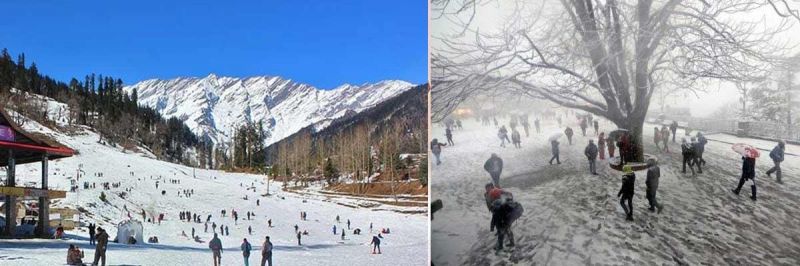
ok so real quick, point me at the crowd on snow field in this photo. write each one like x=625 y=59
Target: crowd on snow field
x=505 y=210
x=99 y=237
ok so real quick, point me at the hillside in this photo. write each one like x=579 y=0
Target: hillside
x=380 y=146
x=214 y=106
x=153 y=186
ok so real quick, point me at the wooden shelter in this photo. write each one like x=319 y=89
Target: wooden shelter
x=20 y=147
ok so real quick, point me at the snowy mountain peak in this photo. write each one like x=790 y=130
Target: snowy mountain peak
x=213 y=106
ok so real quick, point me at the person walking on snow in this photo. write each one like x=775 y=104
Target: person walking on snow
x=626 y=191
x=436 y=149
x=449 y=134
x=503 y=135
x=777 y=157
x=376 y=244
x=674 y=128
x=583 y=126
x=696 y=150
x=596 y=127
x=266 y=252
x=701 y=148
x=334 y=229
x=527 y=127
x=665 y=137
x=348 y=224
x=246 y=248
x=554 y=150
x=657 y=137
x=591 y=154
x=100 y=248
x=568 y=132
x=343 y=235
x=299 y=235
x=91 y=233
x=688 y=155
x=504 y=212
x=216 y=249
x=515 y=138
x=653 y=174
x=494 y=165
x=536 y=124
x=748 y=173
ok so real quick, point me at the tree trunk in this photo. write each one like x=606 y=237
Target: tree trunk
x=635 y=125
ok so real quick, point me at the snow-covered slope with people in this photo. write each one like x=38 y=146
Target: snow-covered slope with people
x=574 y=218
x=214 y=106
x=213 y=191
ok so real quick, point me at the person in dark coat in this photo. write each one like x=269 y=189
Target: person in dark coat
x=696 y=150
x=665 y=137
x=246 y=248
x=494 y=165
x=216 y=249
x=504 y=212
x=688 y=155
x=449 y=134
x=568 y=132
x=748 y=173
x=376 y=244
x=101 y=247
x=515 y=138
x=536 y=124
x=653 y=174
x=591 y=154
x=554 y=150
x=266 y=252
x=596 y=127
x=626 y=191
x=674 y=128
x=701 y=148
x=436 y=149
x=91 y=233
x=299 y=235
x=583 y=126
x=622 y=145
x=503 y=135
x=777 y=157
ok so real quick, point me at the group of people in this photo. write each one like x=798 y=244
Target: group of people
x=99 y=240
x=626 y=192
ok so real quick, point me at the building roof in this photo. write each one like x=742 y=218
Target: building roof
x=28 y=147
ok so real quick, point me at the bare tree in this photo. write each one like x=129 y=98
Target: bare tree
x=602 y=57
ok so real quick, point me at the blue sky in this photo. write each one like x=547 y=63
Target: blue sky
x=322 y=43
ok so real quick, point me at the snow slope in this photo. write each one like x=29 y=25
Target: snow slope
x=574 y=218
x=214 y=106
x=214 y=191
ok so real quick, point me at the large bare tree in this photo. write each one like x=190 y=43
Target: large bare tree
x=605 y=57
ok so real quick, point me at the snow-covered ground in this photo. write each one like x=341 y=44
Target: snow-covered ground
x=213 y=191
x=574 y=218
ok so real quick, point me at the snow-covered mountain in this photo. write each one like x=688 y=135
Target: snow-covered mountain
x=214 y=106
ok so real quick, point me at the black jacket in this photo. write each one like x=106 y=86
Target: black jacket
x=493 y=165
x=590 y=151
x=687 y=150
x=653 y=173
x=748 y=167
x=628 y=180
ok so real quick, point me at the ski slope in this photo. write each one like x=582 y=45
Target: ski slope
x=213 y=191
x=574 y=218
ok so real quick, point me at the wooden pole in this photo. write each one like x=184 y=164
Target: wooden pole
x=44 y=204
x=11 y=203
